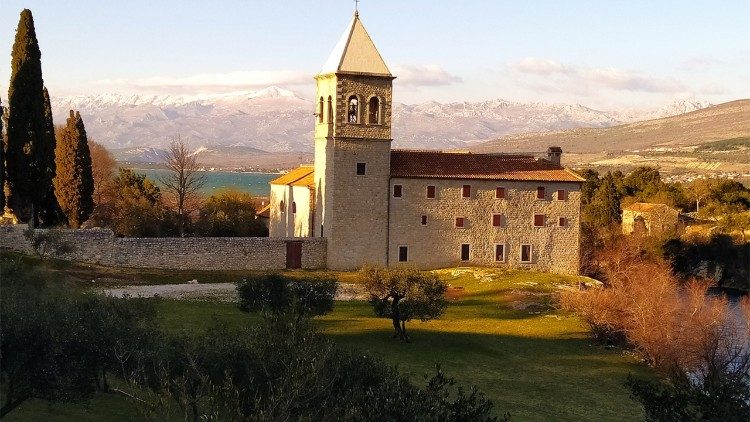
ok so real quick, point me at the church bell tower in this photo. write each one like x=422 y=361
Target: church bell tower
x=352 y=151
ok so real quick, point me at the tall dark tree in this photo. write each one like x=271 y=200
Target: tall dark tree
x=50 y=212
x=29 y=153
x=74 y=183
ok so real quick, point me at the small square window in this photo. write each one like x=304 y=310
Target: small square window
x=538 y=220
x=466 y=191
x=397 y=191
x=562 y=195
x=431 y=192
x=361 y=169
x=540 y=193
x=403 y=253
x=500 y=253
x=460 y=222
x=562 y=221
x=424 y=220
x=465 y=252
x=497 y=220
x=525 y=253
x=499 y=193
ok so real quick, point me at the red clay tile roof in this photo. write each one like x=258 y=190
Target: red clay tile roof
x=301 y=176
x=453 y=165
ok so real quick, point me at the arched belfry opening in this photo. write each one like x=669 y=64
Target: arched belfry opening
x=330 y=110
x=320 y=110
x=373 y=111
x=352 y=113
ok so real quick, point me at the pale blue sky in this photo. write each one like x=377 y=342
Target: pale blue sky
x=604 y=54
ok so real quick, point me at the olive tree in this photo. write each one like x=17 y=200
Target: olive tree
x=403 y=294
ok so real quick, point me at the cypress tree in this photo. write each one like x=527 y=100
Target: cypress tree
x=50 y=212
x=29 y=154
x=74 y=182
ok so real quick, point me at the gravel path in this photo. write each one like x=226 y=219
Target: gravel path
x=212 y=291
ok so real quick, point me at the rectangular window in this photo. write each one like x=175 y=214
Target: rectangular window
x=397 y=191
x=497 y=220
x=466 y=191
x=465 y=252
x=562 y=221
x=540 y=194
x=525 y=253
x=499 y=253
x=361 y=169
x=431 y=192
x=294 y=208
x=562 y=195
x=538 y=220
x=459 y=222
x=403 y=253
x=499 y=193
x=424 y=220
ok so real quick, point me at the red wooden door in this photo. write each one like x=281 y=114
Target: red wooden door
x=293 y=254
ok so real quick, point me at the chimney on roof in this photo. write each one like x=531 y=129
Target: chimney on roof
x=553 y=155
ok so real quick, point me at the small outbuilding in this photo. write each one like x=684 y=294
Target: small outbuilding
x=649 y=218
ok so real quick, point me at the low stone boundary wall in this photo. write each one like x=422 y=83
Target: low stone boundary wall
x=101 y=246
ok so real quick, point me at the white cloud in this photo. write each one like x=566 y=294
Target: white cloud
x=621 y=80
x=540 y=66
x=211 y=81
x=589 y=80
x=423 y=75
x=700 y=63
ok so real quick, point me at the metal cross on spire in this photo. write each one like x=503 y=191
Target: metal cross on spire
x=356 y=7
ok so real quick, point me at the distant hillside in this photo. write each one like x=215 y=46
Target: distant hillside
x=716 y=123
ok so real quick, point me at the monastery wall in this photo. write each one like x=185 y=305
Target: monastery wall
x=101 y=246
x=438 y=244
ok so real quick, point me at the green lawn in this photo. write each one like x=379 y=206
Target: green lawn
x=502 y=335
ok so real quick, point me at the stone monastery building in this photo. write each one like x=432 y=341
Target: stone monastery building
x=428 y=209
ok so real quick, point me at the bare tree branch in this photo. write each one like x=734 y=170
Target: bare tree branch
x=184 y=178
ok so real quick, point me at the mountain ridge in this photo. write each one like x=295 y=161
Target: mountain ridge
x=277 y=120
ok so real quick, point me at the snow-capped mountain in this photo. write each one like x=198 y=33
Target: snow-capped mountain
x=278 y=120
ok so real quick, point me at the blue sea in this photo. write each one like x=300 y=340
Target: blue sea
x=254 y=183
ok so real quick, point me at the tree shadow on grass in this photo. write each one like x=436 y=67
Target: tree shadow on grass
x=533 y=378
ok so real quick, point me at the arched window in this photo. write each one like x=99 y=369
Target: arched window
x=281 y=206
x=320 y=110
x=353 y=109
x=330 y=110
x=373 y=115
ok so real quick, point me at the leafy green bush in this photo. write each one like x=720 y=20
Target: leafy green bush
x=229 y=213
x=276 y=294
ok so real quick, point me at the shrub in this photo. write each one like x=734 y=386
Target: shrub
x=276 y=294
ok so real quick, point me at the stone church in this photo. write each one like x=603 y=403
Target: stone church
x=428 y=209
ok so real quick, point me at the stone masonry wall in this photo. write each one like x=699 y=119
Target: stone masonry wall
x=438 y=243
x=100 y=246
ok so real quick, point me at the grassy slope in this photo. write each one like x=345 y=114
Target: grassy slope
x=723 y=121
x=535 y=362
